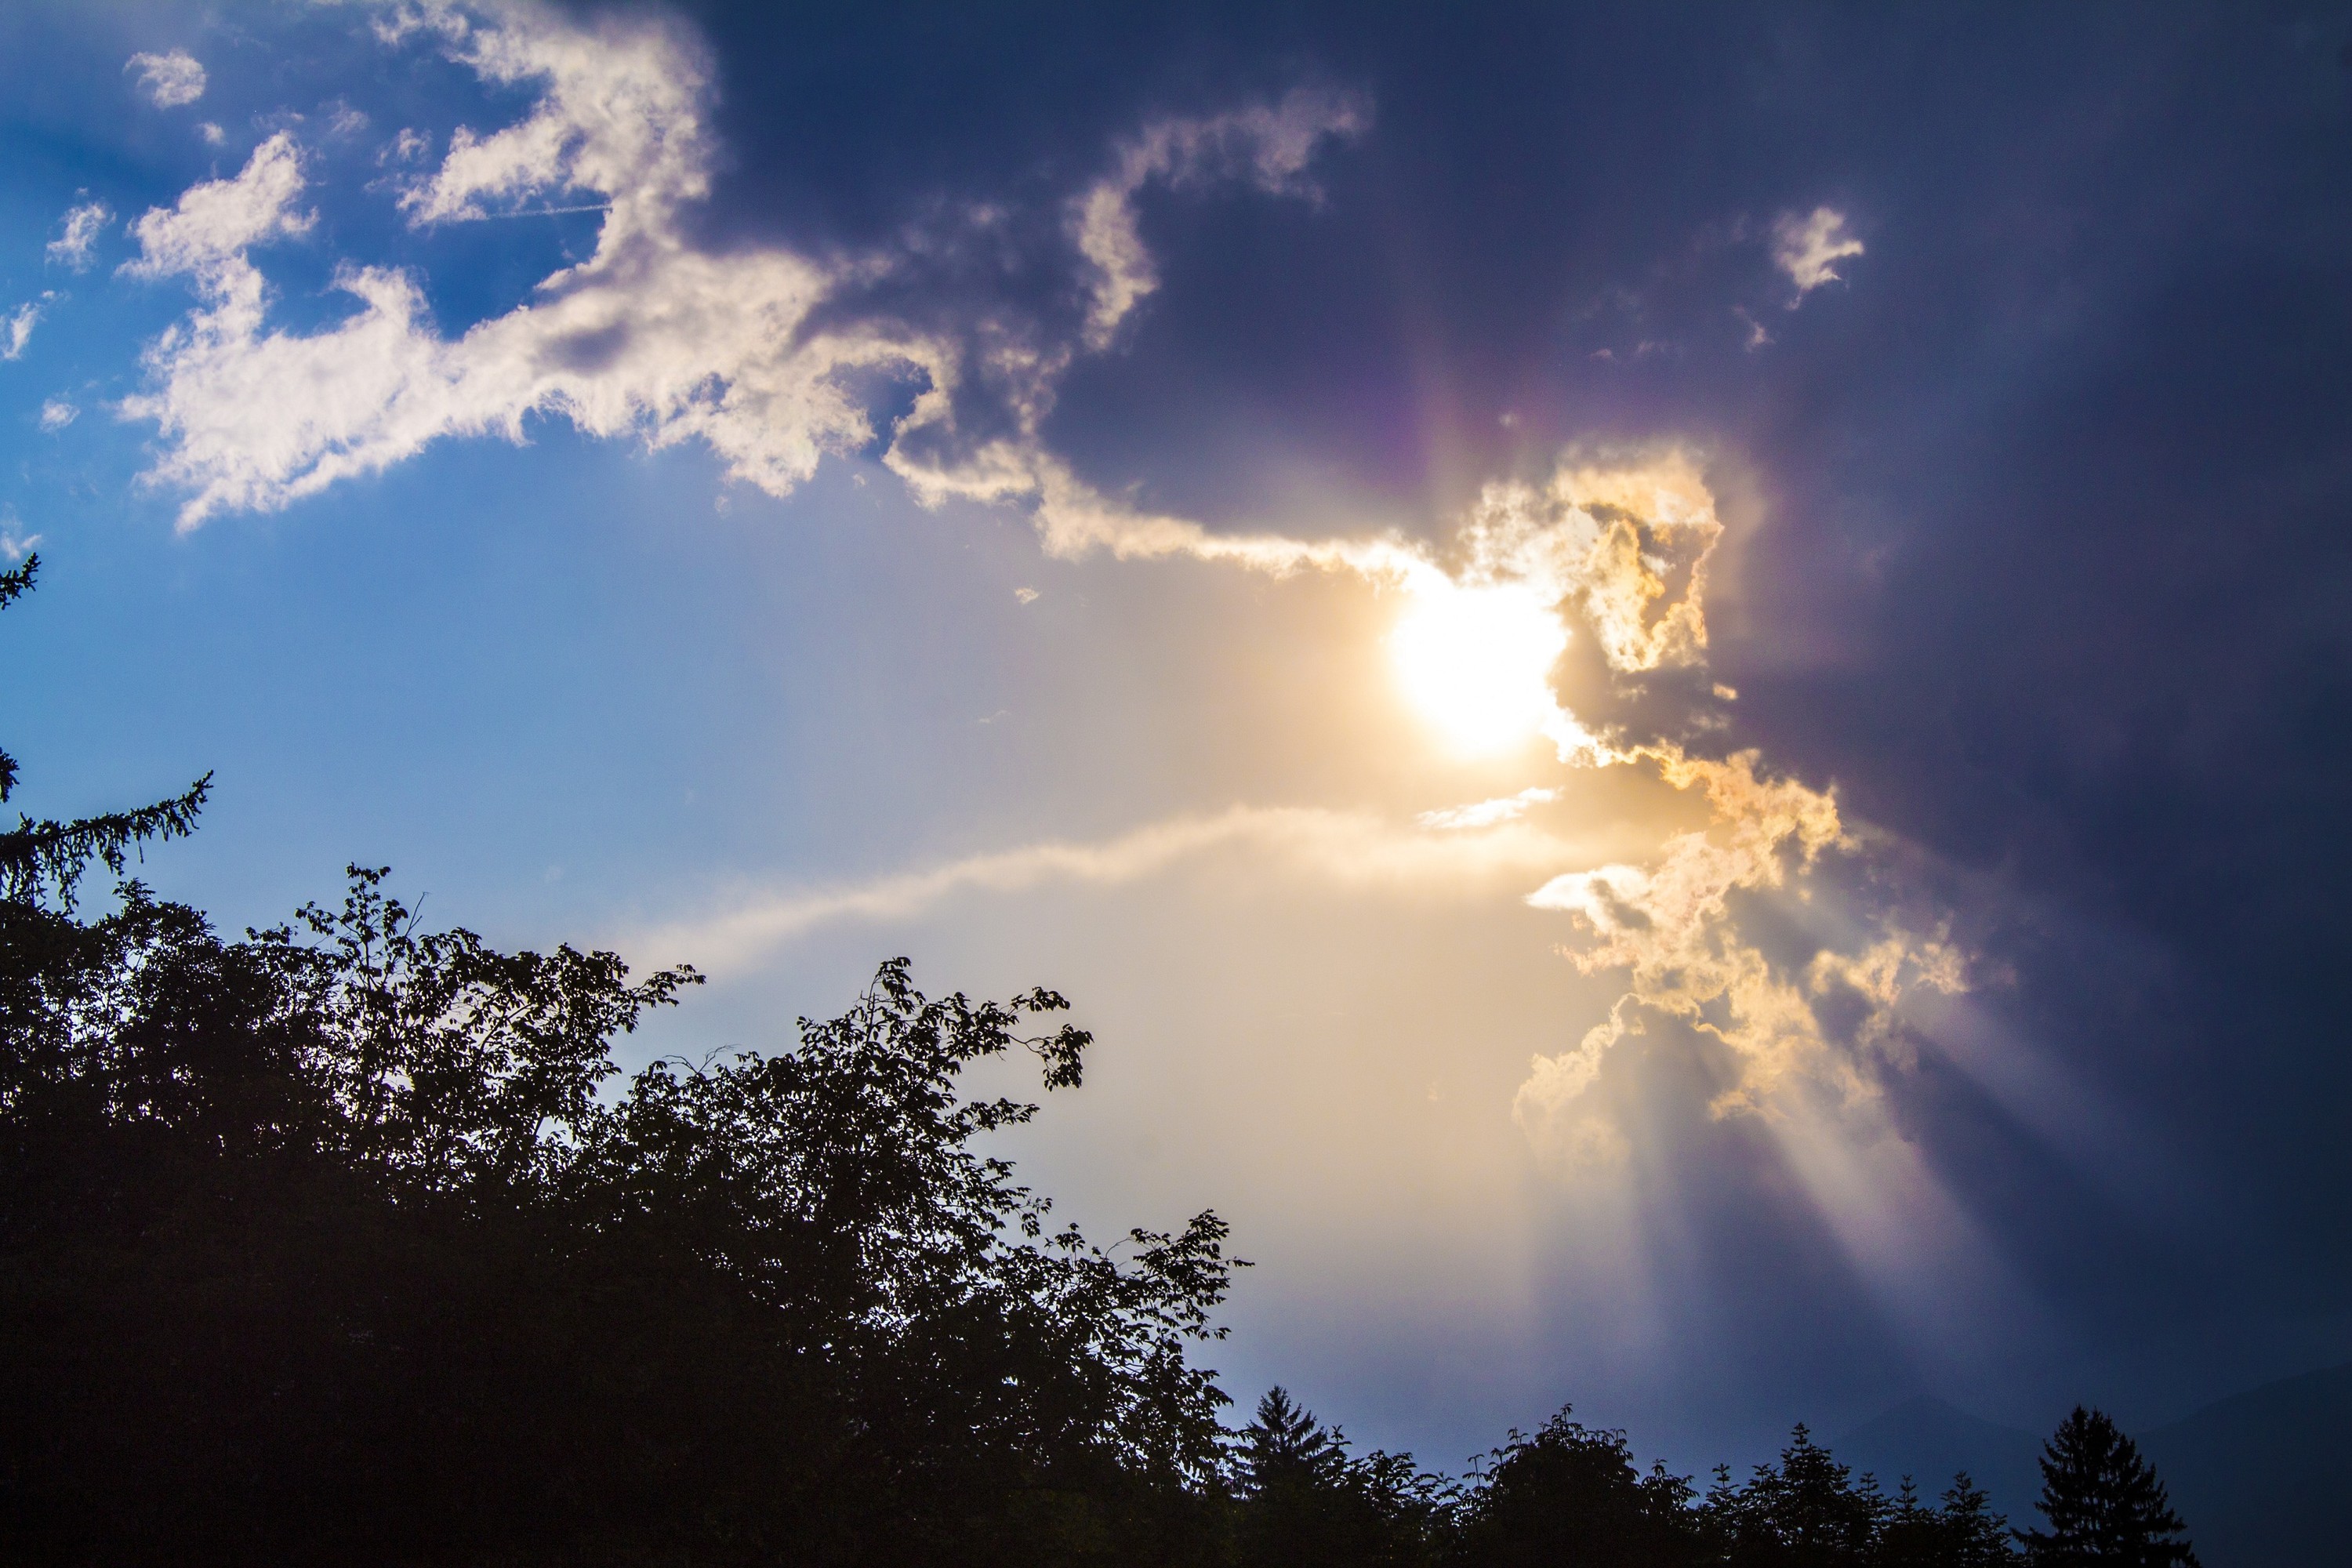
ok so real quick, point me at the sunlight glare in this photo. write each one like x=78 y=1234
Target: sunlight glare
x=1477 y=663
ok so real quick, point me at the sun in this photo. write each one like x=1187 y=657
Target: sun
x=1475 y=662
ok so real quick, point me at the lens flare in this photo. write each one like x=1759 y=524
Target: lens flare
x=1477 y=663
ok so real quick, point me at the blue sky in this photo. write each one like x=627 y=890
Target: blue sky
x=1670 y=680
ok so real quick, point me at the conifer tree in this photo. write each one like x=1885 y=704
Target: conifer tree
x=2102 y=1502
x=39 y=857
x=1973 y=1535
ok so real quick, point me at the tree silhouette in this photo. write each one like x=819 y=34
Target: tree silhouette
x=1571 y=1495
x=1807 y=1510
x=1304 y=1501
x=1974 y=1536
x=1286 y=1447
x=2102 y=1502
x=1964 y=1533
x=335 y=1244
x=50 y=856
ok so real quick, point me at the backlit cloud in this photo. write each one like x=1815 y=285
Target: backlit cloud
x=765 y=355
x=1486 y=813
x=1352 y=849
x=1270 y=146
x=1670 y=926
x=1809 y=248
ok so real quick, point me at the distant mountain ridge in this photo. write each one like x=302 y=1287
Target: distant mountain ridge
x=1930 y=1440
x=2264 y=1479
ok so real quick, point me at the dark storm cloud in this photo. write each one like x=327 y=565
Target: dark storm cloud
x=2039 y=511
x=2043 y=560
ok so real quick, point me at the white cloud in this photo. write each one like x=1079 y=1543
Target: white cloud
x=1487 y=813
x=1355 y=849
x=1807 y=249
x=213 y=135
x=15 y=542
x=171 y=80
x=205 y=234
x=16 y=326
x=57 y=413
x=648 y=337
x=76 y=232
x=409 y=147
x=1270 y=146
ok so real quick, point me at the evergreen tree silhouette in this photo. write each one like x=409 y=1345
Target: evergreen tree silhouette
x=1306 y=1503
x=1806 y=1510
x=1973 y=1535
x=36 y=858
x=1287 y=1449
x=2102 y=1502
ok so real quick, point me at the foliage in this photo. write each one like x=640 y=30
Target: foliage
x=1306 y=1500
x=1571 y=1494
x=2103 y=1503
x=337 y=1213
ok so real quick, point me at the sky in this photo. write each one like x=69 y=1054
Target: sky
x=1672 y=681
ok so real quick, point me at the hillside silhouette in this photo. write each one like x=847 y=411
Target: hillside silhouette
x=2261 y=1476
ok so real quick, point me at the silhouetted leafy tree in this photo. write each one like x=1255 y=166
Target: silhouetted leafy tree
x=328 y=1245
x=2103 y=1503
x=341 y=1243
x=1570 y=1495
x=324 y=1244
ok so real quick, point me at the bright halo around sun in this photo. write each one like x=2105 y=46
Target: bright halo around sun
x=1477 y=663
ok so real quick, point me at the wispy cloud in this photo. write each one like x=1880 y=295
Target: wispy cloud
x=170 y=80
x=15 y=542
x=1487 y=813
x=57 y=413
x=16 y=326
x=77 y=232
x=1809 y=248
x=1355 y=849
x=1270 y=146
